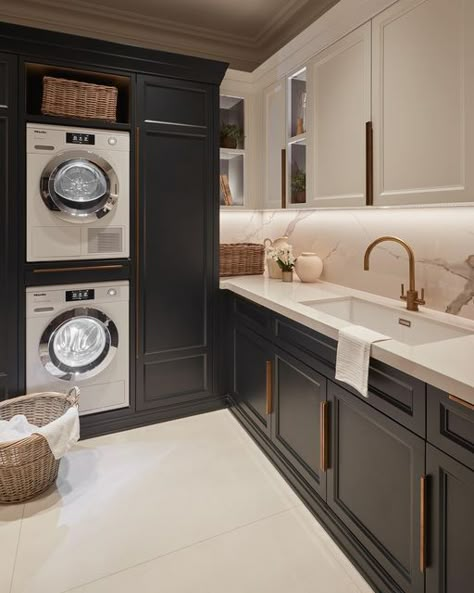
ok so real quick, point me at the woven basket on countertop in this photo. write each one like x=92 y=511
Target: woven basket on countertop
x=241 y=259
x=71 y=98
x=27 y=466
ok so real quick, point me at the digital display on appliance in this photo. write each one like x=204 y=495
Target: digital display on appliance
x=80 y=138
x=80 y=295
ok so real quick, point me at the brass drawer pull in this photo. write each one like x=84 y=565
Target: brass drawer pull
x=461 y=402
x=422 y=523
x=323 y=435
x=369 y=164
x=269 y=385
x=283 y=177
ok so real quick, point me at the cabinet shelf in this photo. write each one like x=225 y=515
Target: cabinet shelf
x=78 y=123
x=228 y=154
x=299 y=139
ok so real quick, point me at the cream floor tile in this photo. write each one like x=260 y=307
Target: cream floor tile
x=127 y=498
x=288 y=552
x=10 y=525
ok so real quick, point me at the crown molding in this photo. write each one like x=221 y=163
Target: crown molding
x=83 y=17
x=86 y=19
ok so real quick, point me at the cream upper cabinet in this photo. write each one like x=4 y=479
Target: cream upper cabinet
x=340 y=99
x=423 y=102
x=275 y=140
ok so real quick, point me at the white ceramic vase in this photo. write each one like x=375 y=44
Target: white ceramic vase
x=308 y=267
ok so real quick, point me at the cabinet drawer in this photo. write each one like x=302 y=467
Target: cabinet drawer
x=399 y=396
x=451 y=426
x=311 y=347
x=253 y=316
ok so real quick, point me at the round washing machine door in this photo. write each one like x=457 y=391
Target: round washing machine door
x=79 y=186
x=78 y=344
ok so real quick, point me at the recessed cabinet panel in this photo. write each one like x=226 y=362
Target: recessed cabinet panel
x=341 y=108
x=275 y=140
x=298 y=394
x=170 y=381
x=450 y=567
x=174 y=102
x=423 y=101
x=251 y=356
x=174 y=193
x=374 y=484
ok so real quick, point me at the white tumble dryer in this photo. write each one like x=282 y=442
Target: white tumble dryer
x=79 y=335
x=77 y=193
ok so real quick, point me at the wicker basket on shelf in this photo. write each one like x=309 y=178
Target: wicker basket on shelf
x=27 y=466
x=71 y=98
x=241 y=259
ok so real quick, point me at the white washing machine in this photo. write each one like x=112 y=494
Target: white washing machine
x=79 y=335
x=77 y=193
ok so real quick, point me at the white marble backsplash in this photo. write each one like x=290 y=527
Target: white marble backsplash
x=442 y=238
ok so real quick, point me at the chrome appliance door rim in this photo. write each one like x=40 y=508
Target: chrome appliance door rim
x=59 y=369
x=98 y=208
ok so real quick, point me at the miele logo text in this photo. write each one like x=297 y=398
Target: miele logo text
x=39 y=294
x=40 y=131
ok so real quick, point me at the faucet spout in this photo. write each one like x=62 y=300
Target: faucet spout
x=412 y=295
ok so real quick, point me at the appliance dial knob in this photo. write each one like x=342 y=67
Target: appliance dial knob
x=112 y=292
x=112 y=141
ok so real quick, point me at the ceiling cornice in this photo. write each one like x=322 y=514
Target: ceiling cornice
x=86 y=18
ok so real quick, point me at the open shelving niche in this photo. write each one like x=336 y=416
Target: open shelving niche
x=34 y=74
x=232 y=159
x=296 y=138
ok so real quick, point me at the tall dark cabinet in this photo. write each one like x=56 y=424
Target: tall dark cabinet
x=177 y=241
x=169 y=104
x=8 y=237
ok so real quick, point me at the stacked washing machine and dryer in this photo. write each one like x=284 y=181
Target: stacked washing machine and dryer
x=78 y=208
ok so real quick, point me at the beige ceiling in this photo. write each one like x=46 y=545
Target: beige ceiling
x=243 y=32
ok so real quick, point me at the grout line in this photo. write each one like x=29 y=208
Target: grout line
x=177 y=550
x=17 y=548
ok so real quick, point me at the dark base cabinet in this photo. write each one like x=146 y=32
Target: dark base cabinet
x=400 y=508
x=451 y=526
x=374 y=485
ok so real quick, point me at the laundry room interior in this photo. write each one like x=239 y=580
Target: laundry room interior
x=237 y=296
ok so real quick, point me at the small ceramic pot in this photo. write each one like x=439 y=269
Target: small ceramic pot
x=287 y=276
x=308 y=267
x=227 y=142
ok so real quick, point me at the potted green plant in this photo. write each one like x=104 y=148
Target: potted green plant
x=231 y=136
x=286 y=261
x=298 y=187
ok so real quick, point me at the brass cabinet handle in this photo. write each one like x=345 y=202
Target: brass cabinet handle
x=78 y=269
x=137 y=241
x=269 y=385
x=369 y=163
x=422 y=523
x=283 y=177
x=461 y=402
x=323 y=435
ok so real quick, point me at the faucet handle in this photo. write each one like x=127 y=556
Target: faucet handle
x=421 y=300
x=403 y=296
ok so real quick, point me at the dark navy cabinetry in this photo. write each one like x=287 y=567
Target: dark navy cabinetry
x=8 y=221
x=390 y=477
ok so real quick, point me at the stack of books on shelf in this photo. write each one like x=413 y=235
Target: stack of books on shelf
x=225 y=190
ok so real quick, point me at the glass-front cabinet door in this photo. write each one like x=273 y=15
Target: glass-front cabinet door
x=297 y=124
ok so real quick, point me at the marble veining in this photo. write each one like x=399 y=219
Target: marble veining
x=442 y=238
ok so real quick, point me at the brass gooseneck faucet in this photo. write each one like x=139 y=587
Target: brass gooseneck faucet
x=411 y=297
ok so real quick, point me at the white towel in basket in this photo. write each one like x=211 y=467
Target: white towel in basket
x=61 y=433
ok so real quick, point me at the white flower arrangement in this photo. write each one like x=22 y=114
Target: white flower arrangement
x=284 y=258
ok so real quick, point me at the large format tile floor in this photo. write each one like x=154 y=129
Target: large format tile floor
x=190 y=506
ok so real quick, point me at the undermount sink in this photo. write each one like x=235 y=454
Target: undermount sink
x=409 y=328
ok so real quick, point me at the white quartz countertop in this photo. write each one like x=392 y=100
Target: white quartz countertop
x=448 y=365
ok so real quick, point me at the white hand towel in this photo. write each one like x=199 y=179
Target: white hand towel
x=353 y=356
x=62 y=433
x=15 y=429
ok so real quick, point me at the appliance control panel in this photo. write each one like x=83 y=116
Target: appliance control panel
x=85 y=294
x=80 y=138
